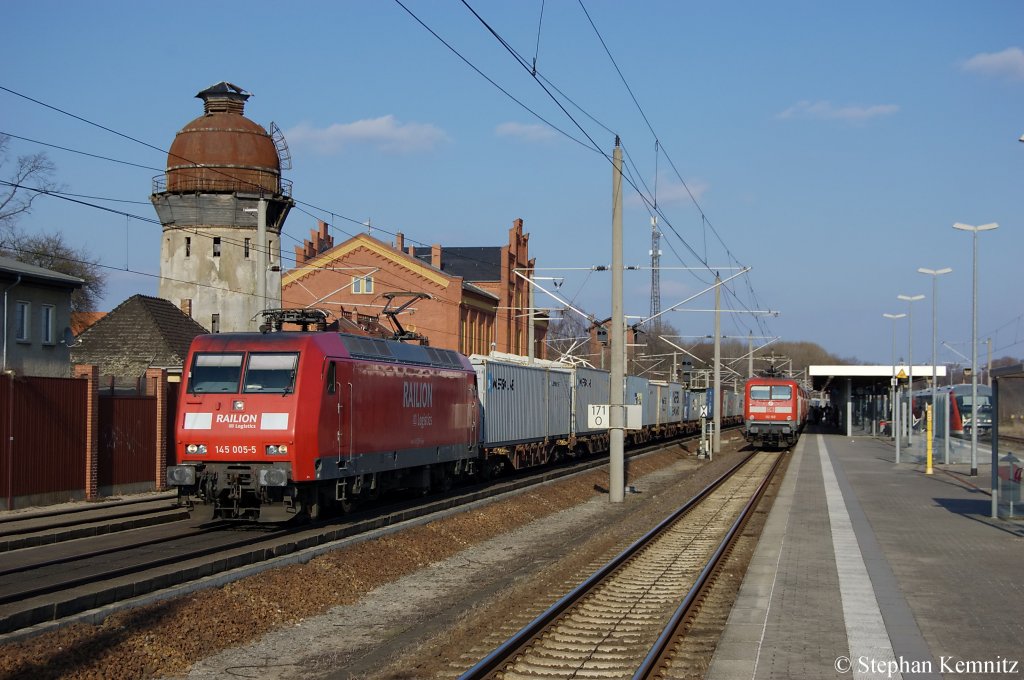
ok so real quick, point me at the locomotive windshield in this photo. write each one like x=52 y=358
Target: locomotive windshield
x=271 y=373
x=771 y=392
x=215 y=373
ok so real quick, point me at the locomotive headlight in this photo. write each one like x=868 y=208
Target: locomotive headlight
x=277 y=449
x=181 y=475
x=194 y=449
x=273 y=477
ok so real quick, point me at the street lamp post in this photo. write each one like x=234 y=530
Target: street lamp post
x=974 y=341
x=893 y=421
x=935 y=274
x=910 y=299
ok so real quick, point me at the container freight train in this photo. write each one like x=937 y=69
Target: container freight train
x=775 y=412
x=278 y=424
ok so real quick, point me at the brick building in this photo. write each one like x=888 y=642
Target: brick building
x=477 y=303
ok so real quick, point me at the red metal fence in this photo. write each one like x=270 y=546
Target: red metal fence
x=127 y=430
x=42 y=436
x=49 y=452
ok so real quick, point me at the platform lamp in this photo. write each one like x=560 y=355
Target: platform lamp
x=910 y=300
x=974 y=340
x=935 y=274
x=892 y=417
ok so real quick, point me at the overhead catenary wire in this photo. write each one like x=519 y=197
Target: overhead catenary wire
x=540 y=77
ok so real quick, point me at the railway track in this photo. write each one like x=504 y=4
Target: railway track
x=42 y=586
x=32 y=529
x=625 y=620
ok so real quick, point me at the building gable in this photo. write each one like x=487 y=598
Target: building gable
x=142 y=332
x=372 y=245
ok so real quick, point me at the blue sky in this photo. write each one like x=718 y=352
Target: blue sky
x=831 y=146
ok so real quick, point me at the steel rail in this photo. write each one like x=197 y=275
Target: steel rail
x=507 y=649
x=42 y=613
x=656 y=657
x=110 y=551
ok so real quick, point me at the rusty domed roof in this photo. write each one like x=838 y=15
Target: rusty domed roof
x=222 y=150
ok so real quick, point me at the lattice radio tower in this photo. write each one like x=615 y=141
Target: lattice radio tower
x=655 y=273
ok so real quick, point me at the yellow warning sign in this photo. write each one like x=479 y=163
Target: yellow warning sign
x=902 y=375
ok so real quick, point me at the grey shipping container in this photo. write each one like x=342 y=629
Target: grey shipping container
x=522 y=403
x=591 y=386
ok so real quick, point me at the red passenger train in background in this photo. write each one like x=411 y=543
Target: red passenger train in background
x=774 y=411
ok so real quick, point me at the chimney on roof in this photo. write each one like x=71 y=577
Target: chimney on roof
x=319 y=241
x=224 y=97
x=435 y=255
x=399 y=241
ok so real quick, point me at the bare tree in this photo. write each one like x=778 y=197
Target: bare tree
x=30 y=177
x=568 y=335
x=51 y=251
x=16 y=198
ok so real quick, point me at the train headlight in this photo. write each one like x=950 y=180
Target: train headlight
x=181 y=475
x=273 y=477
x=195 y=449
x=277 y=449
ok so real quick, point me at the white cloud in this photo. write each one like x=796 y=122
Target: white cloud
x=527 y=133
x=385 y=133
x=671 y=191
x=824 y=110
x=1008 y=63
x=675 y=192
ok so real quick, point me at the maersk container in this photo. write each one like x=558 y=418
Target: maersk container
x=667 y=397
x=676 y=406
x=591 y=386
x=521 y=402
x=637 y=393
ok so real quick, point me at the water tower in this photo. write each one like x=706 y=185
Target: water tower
x=223 y=204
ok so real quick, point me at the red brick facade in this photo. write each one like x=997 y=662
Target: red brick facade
x=156 y=385
x=92 y=424
x=351 y=277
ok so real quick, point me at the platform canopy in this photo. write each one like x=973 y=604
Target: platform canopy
x=863 y=376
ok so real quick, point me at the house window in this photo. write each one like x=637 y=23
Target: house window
x=362 y=285
x=188 y=246
x=22 y=310
x=48 y=313
x=216 y=246
x=215 y=323
x=248 y=241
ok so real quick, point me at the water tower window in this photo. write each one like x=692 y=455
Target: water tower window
x=248 y=241
x=215 y=323
x=216 y=246
x=188 y=246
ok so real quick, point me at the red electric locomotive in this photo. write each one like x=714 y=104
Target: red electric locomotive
x=275 y=424
x=774 y=412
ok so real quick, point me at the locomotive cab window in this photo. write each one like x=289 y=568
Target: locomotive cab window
x=215 y=373
x=271 y=373
x=771 y=392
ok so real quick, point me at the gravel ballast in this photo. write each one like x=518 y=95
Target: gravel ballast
x=422 y=603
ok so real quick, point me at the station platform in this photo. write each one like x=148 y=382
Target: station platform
x=869 y=569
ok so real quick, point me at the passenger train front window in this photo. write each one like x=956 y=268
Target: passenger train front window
x=215 y=373
x=771 y=392
x=271 y=373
